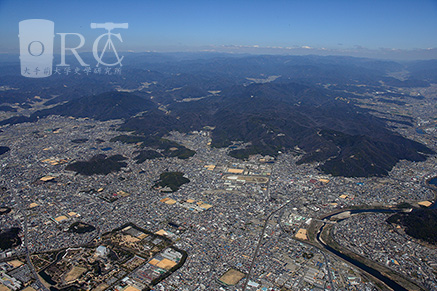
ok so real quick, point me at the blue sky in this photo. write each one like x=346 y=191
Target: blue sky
x=257 y=25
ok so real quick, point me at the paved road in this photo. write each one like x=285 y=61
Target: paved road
x=311 y=246
x=261 y=236
x=26 y=241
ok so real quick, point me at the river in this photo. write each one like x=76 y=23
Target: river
x=375 y=273
x=389 y=282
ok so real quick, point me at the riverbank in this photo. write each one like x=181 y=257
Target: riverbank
x=385 y=278
x=319 y=235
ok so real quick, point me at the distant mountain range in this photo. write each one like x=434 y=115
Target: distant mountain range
x=203 y=72
x=301 y=109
